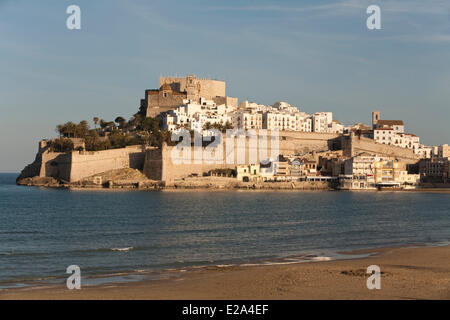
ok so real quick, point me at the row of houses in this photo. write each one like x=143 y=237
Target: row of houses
x=364 y=171
x=193 y=115
x=283 y=169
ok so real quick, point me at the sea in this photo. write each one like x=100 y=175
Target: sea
x=116 y=236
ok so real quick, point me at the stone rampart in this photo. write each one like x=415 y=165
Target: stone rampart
x=173 y=162
x=353 y=145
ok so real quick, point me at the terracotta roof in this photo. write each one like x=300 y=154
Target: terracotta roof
x=410 y=134
x=166 y=86
x=390 y=122
x=384 y=129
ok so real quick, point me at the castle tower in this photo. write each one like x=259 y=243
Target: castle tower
x=375 y=118
x=190 y=87
x=166 y=90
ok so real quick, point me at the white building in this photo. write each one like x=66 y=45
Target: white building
x=396 y=125
x=194 y=116
x=247 y=119
x=335 y=127
x=321 y=121
x=397 y=138
x=250 y=115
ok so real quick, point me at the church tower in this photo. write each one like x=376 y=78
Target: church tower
x=375 y=118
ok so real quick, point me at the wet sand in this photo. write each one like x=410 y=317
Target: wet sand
x=407 y=273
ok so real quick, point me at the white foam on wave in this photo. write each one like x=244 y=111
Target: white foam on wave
x=122 y=249
x=321 y=259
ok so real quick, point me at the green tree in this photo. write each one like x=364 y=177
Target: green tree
x=120 y=122
x=228 y=125
x=94 y=142
x=135 y=121
x=82 y=129
x=207 y=126
x=62 y=145
x=67 y=129
x=103 y=124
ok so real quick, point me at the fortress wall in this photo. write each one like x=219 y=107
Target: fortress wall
x=56 y=165
x=76 y=165
x=47 y=164
x=353 y=145
x=174 y=166
x=211 y=88
x=208 y=88
x=228 y=101
x=85 y=164
x=157 y=103
x=292 y=142
x=153 y=165
x=169 y=163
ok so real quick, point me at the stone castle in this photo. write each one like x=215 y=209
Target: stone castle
x=174 y=90
x=160 y=165
x=157 y=164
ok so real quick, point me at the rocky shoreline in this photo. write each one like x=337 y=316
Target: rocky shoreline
x=130 y=179
x=141 y=183
x=203 y=183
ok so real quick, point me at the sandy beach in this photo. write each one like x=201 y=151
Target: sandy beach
x=407 y=273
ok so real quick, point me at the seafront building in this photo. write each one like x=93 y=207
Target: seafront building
x=369 y=171
x=435 y=169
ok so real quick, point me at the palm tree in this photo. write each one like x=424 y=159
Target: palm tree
x=120 y=121
x=228 y=125
x=207 y=126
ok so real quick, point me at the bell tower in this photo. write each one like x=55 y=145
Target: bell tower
x=375 y=118
x=190 y=87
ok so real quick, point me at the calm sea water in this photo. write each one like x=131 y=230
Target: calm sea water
x=42 y=231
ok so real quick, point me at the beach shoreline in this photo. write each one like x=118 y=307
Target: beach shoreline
x=408 y=272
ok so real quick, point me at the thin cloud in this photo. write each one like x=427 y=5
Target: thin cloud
x=281 y=8
x=436 y=7
x=437 y=38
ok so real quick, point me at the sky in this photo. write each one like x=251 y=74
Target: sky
x=317 y=55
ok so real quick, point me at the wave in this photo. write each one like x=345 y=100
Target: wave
x=87 y=251
x=126 y=249
x=321 y=258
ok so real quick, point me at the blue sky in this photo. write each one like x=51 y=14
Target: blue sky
x=317 y=55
